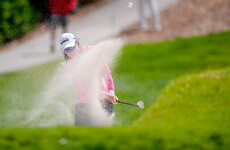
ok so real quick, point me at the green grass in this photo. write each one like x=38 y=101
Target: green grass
x=18 y=91
x=177 y=120
x=145 y=69
x=142 y=71
x=197 y=107
x=191 y=113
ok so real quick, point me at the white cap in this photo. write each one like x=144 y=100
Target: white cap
x=67 y=40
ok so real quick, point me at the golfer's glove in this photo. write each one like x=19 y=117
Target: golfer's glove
x=112 y=92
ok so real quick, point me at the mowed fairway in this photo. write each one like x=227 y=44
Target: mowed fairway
x=190 y=113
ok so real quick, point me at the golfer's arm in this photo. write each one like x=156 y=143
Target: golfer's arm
x=110 y=83
x=112 y=98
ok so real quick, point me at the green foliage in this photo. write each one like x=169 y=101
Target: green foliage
x=16 y=18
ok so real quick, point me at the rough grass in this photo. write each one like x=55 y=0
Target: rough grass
x=197 y=106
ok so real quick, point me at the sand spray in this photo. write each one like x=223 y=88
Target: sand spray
x=55 y=105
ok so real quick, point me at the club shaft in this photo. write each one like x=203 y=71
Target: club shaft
x=127 y=103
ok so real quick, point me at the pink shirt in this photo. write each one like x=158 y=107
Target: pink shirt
x=105 y=79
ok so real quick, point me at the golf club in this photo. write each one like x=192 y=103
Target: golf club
x=140 y=104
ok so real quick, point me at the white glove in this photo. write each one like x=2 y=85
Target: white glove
x=112 y=92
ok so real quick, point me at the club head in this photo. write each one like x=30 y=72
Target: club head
x=140 y=104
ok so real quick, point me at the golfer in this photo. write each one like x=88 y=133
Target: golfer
x=70 y=47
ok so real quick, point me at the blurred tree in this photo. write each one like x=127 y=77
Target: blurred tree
x=16 y=18
x=20 y=16
x=40 y=5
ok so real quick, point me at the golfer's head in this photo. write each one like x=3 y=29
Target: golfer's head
x=68 y=43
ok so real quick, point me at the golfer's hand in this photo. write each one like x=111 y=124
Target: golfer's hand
x=112 y=98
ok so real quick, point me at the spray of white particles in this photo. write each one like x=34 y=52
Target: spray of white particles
x=56 y=104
